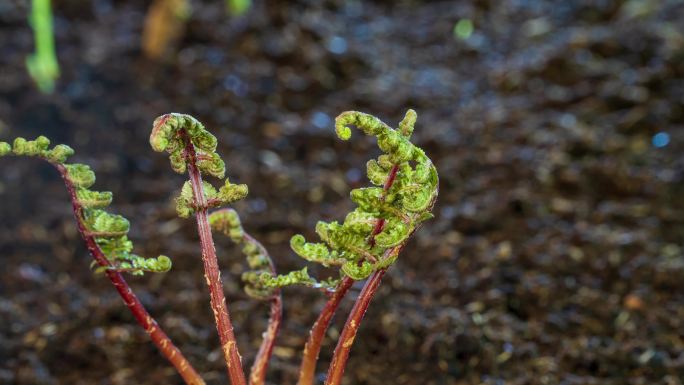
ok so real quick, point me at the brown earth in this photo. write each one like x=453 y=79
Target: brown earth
x=556 y=253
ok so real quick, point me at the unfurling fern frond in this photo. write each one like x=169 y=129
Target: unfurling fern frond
x=407 y=188
x=261 y=280
x=262 y=284
x=108 y=230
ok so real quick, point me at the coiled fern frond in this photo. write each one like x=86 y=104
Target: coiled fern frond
x=261 y=280
x=173 y=133
x=406 y=187
x=108 y=230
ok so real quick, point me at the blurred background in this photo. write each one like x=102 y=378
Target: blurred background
x=556 y=253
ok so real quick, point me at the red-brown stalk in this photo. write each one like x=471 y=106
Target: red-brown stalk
x=317 y=333
x=212 y=273
x=157 y=335
x=351 y=326
x=344 y=343
x=257 y=375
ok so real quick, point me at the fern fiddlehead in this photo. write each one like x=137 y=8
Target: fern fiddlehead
x=260 y=280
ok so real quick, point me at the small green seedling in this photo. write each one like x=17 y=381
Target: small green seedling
x=42 y=65
x=238 y=7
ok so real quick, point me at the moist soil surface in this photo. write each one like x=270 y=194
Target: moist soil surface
x=555 y=256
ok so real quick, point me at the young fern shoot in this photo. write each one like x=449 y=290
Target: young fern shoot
x=371 y=237
x=192 y=148
x=410 y=188
x=106 y=239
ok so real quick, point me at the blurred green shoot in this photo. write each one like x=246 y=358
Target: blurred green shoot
x=463 y=29
x=42 y=65
x=238 y=7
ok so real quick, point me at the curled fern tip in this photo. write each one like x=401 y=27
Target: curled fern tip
x=386 y=215
x=173 y=132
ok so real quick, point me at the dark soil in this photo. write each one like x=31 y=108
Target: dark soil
x=556 y=254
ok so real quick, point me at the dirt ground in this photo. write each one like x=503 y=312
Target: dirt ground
x=556 y=253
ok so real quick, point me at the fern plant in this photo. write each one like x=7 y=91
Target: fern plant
x=360 y=247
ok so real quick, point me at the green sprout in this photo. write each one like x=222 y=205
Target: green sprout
x=463 y=29
x=42 y=65
x=238 y=7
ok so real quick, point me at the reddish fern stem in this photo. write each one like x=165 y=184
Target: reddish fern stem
x=312 y=348
x=344 y=343
x=157 y=335
x=313 y=345
x=380 y=223
x=257 y=374
x=351 y=326
x=224 y=326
